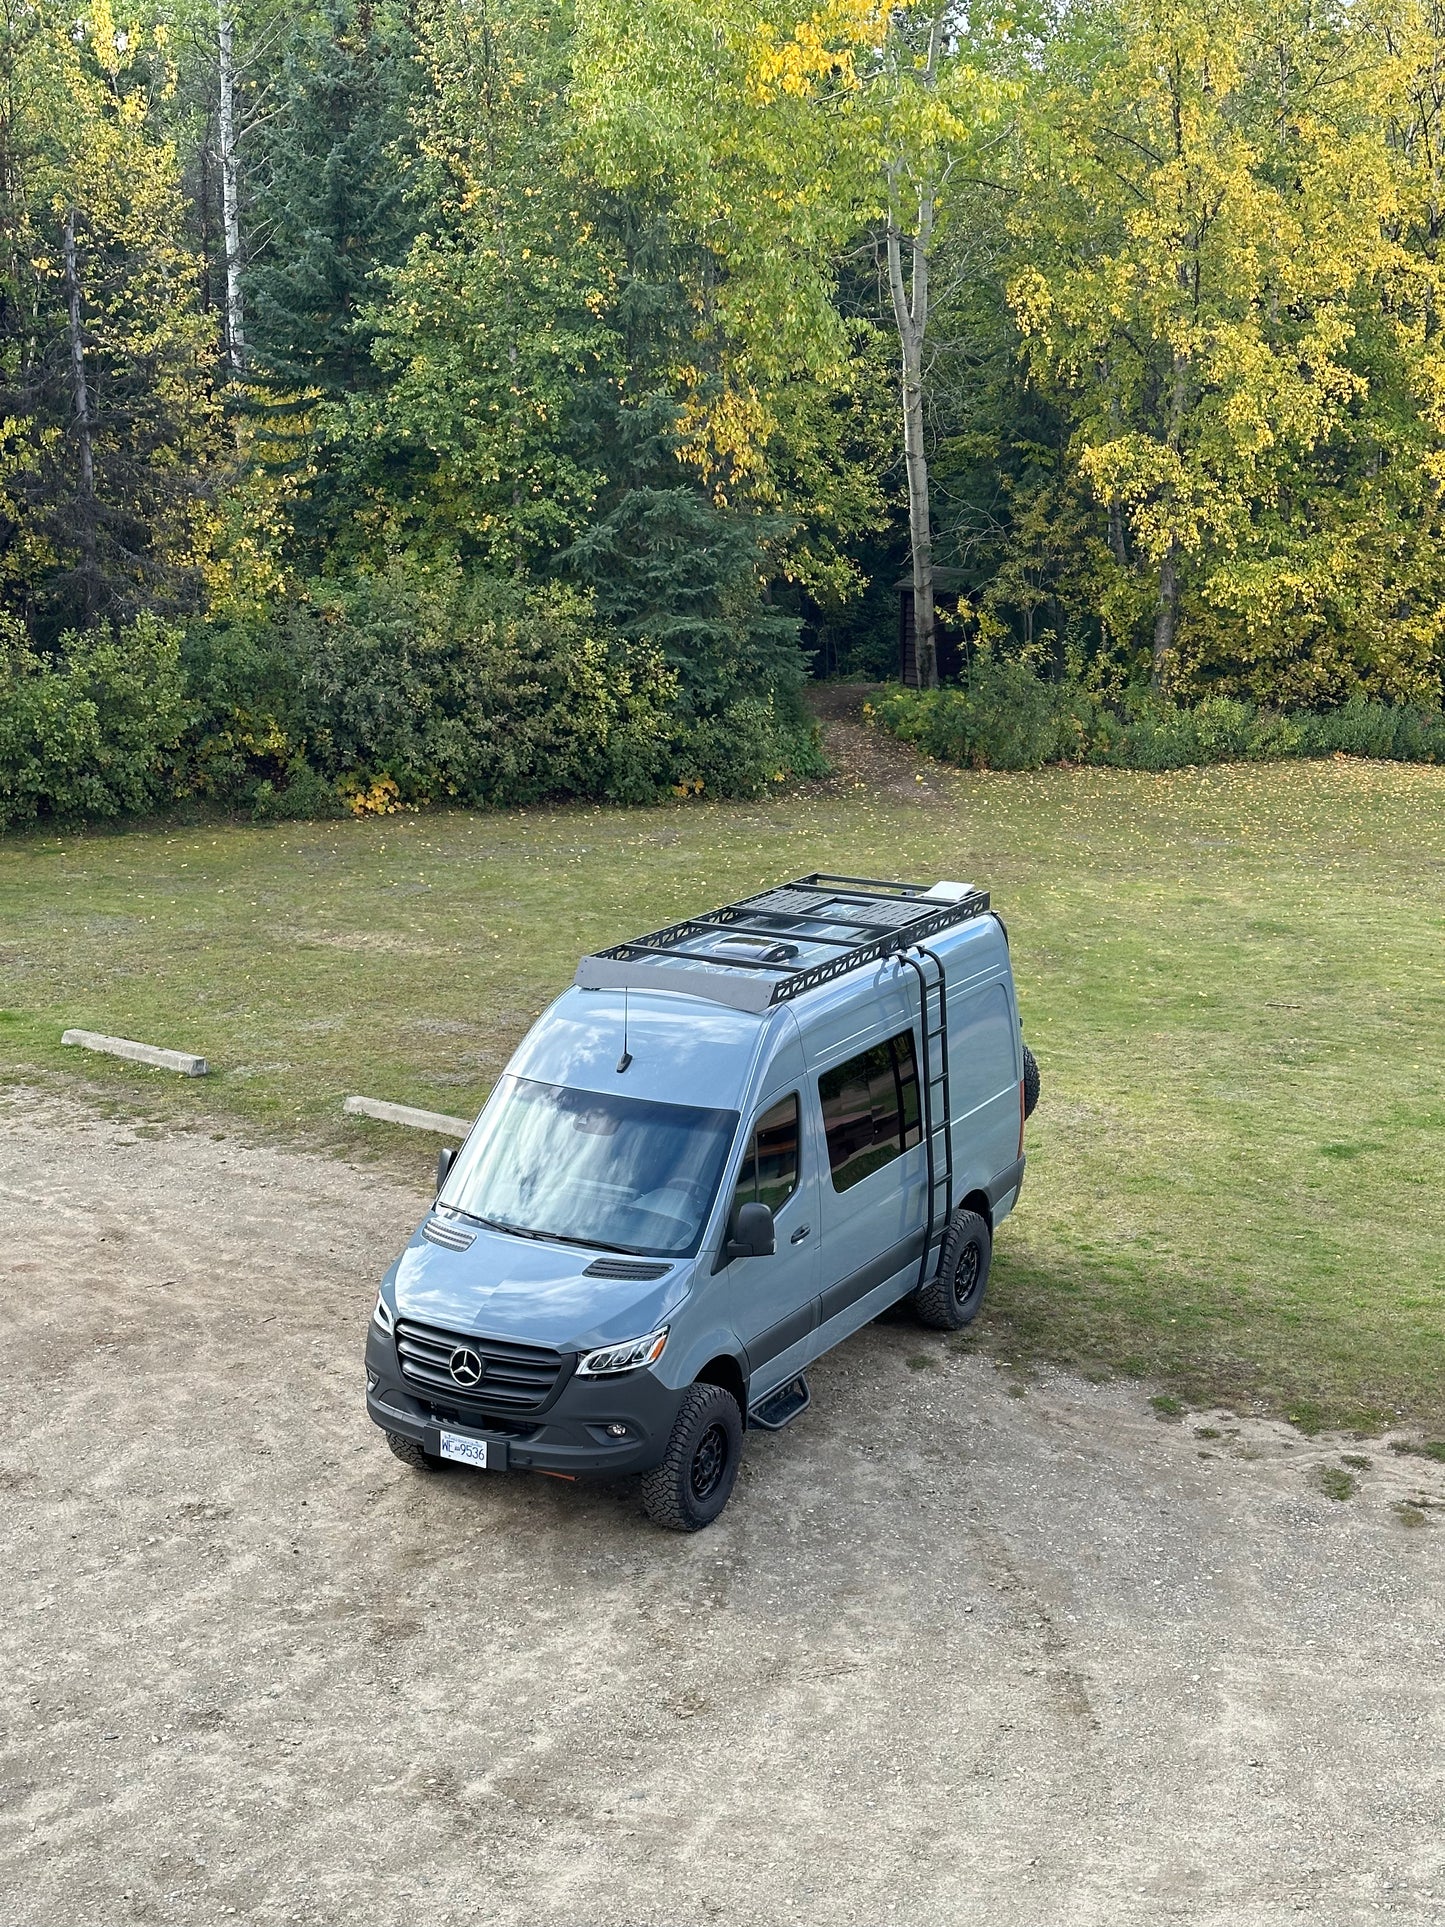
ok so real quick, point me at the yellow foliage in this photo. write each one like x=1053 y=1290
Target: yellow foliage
x=380 y=798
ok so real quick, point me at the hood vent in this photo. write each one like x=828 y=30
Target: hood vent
x=637 y=1268
x=447 y=1235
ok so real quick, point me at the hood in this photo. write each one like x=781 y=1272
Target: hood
x=537 y=1293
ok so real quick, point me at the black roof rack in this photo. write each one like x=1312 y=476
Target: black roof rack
x=752 y=966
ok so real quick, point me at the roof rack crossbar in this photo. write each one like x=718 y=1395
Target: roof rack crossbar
x=820 y=877
x=713 y=924
x=790 y=908
x=625 y=952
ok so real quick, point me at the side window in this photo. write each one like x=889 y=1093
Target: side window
x=769 y=1173
x=981 y=1037
x=870 y=1109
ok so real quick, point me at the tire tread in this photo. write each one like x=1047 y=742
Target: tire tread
x=662 y=1487
x=934 y=1301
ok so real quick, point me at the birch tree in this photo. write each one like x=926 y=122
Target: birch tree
x=228 y=133
x=792 y=136
x=1209 y=279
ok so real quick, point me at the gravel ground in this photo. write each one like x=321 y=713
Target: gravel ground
x=962 y=1649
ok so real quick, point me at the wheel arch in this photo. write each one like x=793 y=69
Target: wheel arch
x=727 y=1371
x=978 y=1201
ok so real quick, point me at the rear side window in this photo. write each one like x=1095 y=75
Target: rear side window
x=870 y=1109
x=769 y=1173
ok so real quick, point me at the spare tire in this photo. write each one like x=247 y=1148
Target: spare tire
x=1031 y=1081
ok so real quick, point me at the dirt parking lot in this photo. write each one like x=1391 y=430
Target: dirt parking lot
x=961 y=1650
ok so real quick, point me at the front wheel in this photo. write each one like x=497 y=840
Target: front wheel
x=700 y=1466
x=412 y=1454
x=953 y=1296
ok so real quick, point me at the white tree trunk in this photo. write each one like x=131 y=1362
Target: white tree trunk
x=910 y=312
x=230 y=192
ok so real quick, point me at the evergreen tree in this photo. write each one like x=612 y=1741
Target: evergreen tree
x=668 y=562
x=332 y=205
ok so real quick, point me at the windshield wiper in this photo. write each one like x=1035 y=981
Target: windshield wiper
x=560 y=1238
x=552 y=1237
x=472 y=1217
x=542 y=1237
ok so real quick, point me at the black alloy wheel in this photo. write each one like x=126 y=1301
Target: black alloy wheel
x=709 y=1462
x=700 y=1466
x=953 y=1296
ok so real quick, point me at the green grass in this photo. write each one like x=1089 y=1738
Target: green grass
x=1231 y=977
x=1336 y=1483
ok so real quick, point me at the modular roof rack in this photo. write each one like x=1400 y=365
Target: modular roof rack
x=764 y=950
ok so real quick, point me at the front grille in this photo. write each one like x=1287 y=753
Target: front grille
x=514 y=1378
x=624 y=1268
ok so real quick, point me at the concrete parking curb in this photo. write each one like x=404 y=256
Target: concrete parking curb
x=436 y=1121
x=183 y=1061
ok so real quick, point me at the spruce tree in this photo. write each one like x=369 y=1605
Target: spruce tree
x=331 y=208
x=330 y=212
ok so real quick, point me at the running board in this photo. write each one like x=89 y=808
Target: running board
x=781 y=1407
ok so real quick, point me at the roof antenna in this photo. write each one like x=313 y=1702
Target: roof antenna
x=626 y=1058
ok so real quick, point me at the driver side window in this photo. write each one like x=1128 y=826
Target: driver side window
x=769 y=1173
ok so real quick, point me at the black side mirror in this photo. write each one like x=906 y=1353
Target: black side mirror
x=753 y=1235
x=444 y=1163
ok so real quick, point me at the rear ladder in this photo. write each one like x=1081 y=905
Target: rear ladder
x=937 y=1099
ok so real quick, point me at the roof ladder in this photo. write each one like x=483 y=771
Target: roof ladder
x=937 y=1099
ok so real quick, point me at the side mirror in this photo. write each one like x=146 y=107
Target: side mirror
x=753 y=1235
x=444 y=1163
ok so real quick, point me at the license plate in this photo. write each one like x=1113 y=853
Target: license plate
x=466 y=1451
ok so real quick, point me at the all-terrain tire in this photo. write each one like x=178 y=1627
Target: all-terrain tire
x=700 y=1466
x=1031 y=1081
x=953 y=1297
x=412 y=1454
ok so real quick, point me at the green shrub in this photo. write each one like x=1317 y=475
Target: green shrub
x=412 y=687
x=1004 y=717
x=1007 y=717
x=95 y=731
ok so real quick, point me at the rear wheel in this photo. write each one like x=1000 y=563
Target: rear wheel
x=953 y=1297
x=700 y=1467
x=412 y=1454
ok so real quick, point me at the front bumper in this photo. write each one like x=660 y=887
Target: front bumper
x=569 y=1436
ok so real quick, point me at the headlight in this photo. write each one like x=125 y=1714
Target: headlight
x=625 y=1357
x=382 y=1317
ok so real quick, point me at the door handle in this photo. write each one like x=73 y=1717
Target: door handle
x=802 y=1232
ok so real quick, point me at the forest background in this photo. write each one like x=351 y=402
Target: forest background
x=403 y=402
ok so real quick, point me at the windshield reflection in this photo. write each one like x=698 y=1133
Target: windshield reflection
x=590 y=1167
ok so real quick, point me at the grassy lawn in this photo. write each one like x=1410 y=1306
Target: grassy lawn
x=1232 y=979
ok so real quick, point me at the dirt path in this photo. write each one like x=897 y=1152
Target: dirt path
x=954 y=1655
x=871 y=759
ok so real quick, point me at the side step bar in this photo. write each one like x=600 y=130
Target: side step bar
x=781 y=1407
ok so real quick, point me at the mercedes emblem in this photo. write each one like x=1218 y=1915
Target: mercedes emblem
x=465 y=1365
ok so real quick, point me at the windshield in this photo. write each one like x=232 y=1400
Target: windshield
x=619 y=1172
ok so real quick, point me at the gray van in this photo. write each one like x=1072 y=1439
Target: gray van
x=727 y=1146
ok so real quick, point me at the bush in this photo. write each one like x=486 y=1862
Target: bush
x=95 y=731
x=403 y=689
x=385 y=692
x=1006 y=717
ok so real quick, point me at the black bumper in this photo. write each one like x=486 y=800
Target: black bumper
x=569 y=1436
